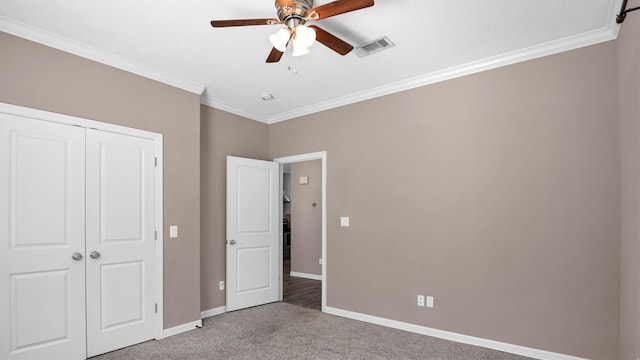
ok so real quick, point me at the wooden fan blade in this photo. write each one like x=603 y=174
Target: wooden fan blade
x=274 y=56
x=332 y=42
x=243 y=22
x=337 y=8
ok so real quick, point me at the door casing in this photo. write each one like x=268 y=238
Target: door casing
x=321 y=155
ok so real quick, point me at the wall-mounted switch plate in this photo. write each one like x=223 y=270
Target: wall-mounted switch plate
x=429 y=301
x=304 y=180
x=320 y=261
x=344 y=221
x=173 y=231
x=221 y=285
x=420 y=300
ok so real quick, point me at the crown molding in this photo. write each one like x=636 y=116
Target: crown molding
x=533 y=52
x=28 y=32
x=40 y=36
x=206 y=99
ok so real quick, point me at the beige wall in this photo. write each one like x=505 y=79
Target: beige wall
x=36 y=76
x=508 y=182
x=629 y=96
x=496 y=193
x=306 y=220
x=222 y=134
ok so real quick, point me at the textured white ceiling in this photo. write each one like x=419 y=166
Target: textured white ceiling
x=173 y=42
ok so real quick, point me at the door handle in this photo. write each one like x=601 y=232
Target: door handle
x=94 y=255
x=232 y=242
x=76 y=256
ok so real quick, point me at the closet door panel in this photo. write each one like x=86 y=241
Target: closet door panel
x=120 y=241
x=42 y=217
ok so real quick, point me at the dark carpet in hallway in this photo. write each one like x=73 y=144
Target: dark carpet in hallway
x=300 y=291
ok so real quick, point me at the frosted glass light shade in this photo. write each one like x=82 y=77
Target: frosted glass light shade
x=306 y=36
x=298 y=49
x=280 y=39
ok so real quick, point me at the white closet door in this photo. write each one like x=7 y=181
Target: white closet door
x=42 y=218
x=120 y=241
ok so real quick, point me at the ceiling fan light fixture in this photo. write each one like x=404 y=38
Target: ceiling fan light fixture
x=305 y=36
x=298 y=49
x=280 y=39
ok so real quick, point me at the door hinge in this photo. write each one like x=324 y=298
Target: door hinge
x=156 y=162
x=156 y=308
x=155 y=234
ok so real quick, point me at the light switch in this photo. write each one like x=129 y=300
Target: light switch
x=173 y=231
x=344 y=221
x=304 y=180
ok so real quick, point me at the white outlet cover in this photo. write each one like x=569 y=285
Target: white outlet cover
x=221 y=285
x=304 y=180
x=420 y=300
x=344 y=221
x=430 y=301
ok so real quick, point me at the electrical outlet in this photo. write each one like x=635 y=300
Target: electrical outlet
x=420 y=300
x=430 y=301
x=221 y=285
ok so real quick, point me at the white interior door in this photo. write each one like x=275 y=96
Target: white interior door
x=42 y=224
x=120 y=241
x=253 y=232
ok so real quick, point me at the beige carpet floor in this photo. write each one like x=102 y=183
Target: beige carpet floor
x=284 y=331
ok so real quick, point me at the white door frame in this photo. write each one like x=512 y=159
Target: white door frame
x=321 y=155
x=157 y=138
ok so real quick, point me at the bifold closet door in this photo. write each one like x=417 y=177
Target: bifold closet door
x=42 y=240
x=77 y=245
x=120 y=241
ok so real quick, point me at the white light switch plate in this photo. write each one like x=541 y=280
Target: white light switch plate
x=344 y=221
x=304 y=180
x=173 y=231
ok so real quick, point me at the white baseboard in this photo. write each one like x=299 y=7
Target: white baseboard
x=213 y=312
x=441 y=334
x=305 y=275
x=182 y=328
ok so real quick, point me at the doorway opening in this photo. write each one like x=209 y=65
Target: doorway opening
x=303 y=241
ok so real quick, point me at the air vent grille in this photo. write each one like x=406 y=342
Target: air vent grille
x=374 y=46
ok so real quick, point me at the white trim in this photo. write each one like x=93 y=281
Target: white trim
x=447 y=335
x=160 y=240
x=40 y=36
x=593 y=37
x=213 y=312
x=533 y=52
x=210 y=101
x=305 y=275
x=321 y=155
x=183 y=328
x=76 y=121
x=158 y=139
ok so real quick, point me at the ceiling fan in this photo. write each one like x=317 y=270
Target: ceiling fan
x=294 y=14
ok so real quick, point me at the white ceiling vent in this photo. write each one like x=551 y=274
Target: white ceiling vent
x=374 y=46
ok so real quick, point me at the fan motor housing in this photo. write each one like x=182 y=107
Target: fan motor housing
x=298 y=12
